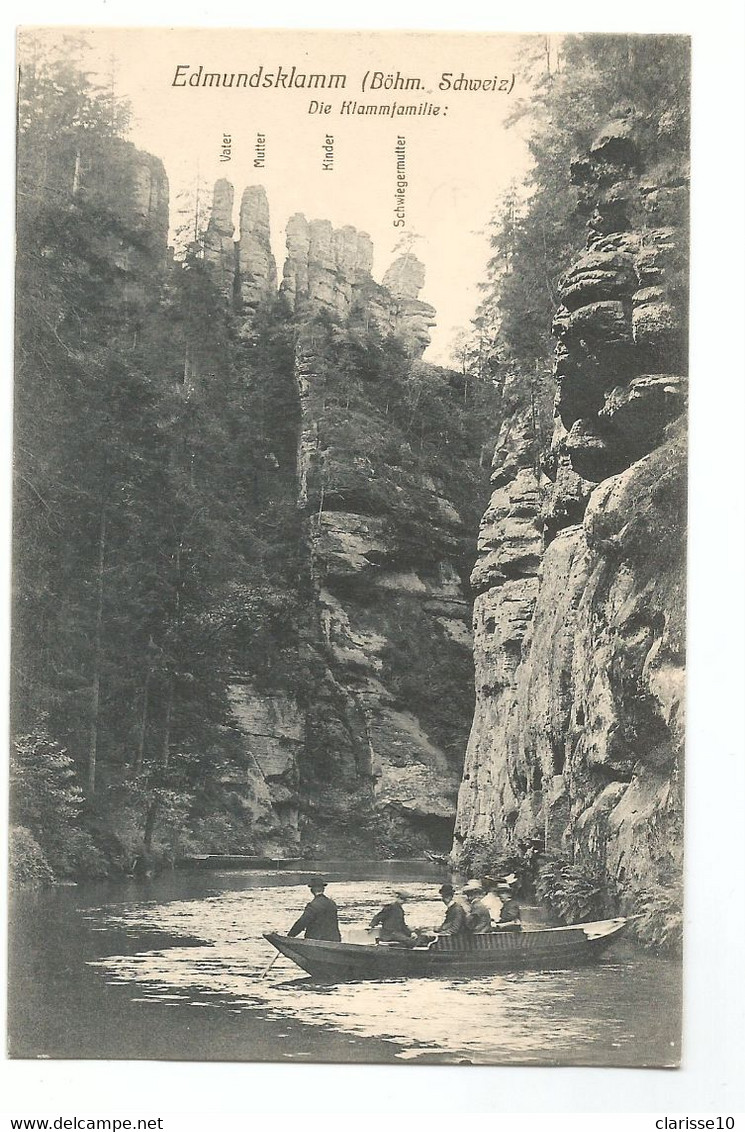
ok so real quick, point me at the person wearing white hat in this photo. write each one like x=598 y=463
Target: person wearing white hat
x=478 y=919
x=491 y=899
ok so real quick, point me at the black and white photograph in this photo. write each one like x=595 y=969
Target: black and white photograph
x=349 y=549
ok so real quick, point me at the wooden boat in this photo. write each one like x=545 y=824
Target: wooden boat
x=544 y=949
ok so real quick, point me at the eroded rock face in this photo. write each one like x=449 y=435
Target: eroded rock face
x=295 y=276
x=272 y=732
x=326 y=269
x=257 y=269
x=325 y=266
x=134 y=185
x=385 y=621
x=149 y=201
x=392 y=753
x=510 y=543
x=579 y=619
x=505 y=579
x=367 y=734
x=578 y=734
x=411 y=318
x=623 y=314
x=219 y=249
x=330 y=269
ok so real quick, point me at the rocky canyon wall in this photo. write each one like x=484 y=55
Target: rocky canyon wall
x=580 y=610
x=361 y=752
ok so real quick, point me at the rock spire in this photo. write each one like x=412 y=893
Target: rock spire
x=325 y=269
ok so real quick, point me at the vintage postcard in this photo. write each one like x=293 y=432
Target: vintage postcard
x=349 y=546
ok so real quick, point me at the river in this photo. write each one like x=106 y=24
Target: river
x=174 y=968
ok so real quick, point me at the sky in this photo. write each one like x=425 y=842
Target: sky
x=458 y=162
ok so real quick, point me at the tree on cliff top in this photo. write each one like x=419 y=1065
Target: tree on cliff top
x=65 y=111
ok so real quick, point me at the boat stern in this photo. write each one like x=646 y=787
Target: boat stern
x=602 y=929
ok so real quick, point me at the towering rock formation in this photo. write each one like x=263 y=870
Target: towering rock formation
x=330 y=269
x=326 y=269
x=295 y=277
x=621 y=351
x=130 y=182
x=386 y=624
x=146 y=211
x=410 y=317
x=134 y=186
x=368 y=745
x=219 y=249
x=363 y=753
x=257 y=269
x=578 y=730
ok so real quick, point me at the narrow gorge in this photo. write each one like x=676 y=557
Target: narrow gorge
x=256 y=558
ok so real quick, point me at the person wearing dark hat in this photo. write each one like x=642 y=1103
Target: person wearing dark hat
x=320 y=920
x=509 y=917
x=455 y=917
x=392 y=922
x=478 y=917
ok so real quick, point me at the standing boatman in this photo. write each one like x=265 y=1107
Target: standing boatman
x=320 y=920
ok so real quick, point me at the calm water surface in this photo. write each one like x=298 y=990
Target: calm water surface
x=173 y=969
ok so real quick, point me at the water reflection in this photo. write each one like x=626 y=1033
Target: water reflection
x=620 y=1012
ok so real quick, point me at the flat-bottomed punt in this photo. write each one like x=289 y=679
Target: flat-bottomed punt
x=544 y=949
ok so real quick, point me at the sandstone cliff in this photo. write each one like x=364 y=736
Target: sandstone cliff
x=326 y=269
x=219 y=249
x=134 y=186
x=388 y=632
x=580 y=607
x=257 y=270
x=362 y=751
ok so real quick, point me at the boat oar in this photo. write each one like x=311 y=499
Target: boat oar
x=266 y=970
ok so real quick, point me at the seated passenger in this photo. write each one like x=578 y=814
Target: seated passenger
x=455 y=917
x=392 y=923
x=491 y=900
x=509 y=918
x=478 y=917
